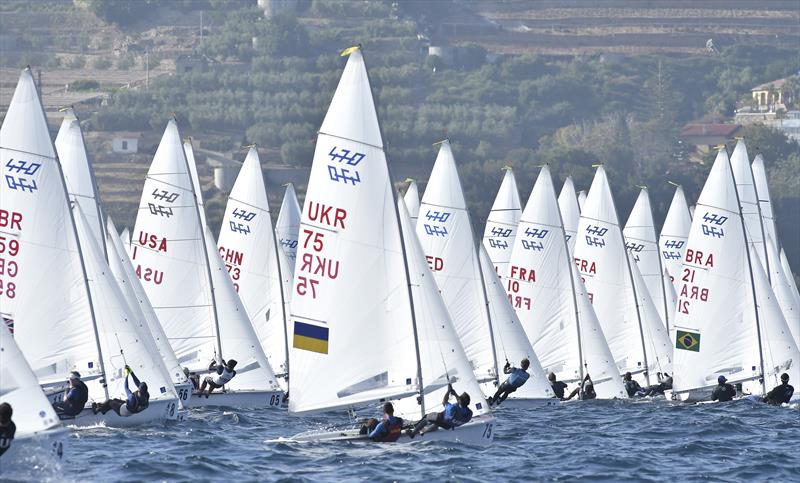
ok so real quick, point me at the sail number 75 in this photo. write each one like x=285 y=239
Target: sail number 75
x=304 y=284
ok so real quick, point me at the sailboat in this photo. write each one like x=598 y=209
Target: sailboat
x=728 y=321
x=642 y=242
x=787 y=271
x=446 y=236
x=411 y=199
x=367 y=323
x=674 y=233
x=551 y=302
x=287 y=227
x=637 y=338
x=89 y=328
x=256 y=264
x=187 y=282
x=82 y=189
x=501 y=226
x=38 y=427
x=570 y=212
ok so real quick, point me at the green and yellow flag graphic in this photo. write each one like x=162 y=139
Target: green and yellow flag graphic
x=688 y=341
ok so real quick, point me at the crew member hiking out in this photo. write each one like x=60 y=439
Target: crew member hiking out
x=631 y=386
x=136 y=402
x=387 y=430
x=781 y=394
x=7 y=427
x=454 y=415
x=517 y=378
x=224 y=374
x=585 y=391
x=75 y=397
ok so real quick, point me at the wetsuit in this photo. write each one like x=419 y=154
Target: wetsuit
x=588 y=390
x=779 y=395
x=76 y=399
x=558 y=388
x=723 y=392
x=136 y=402
x=7 y=432
x=632 y=387
x=387 y=431
x=517 y=378
x=223 y=376
x=659 y=388
x=452 y=416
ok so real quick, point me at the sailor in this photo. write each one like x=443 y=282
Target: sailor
x=517 y=378
x=75 y=397
x=192 y=377
x=136 y=402
x=780 y=394
x=558 y=386
x=724 y=391
x=7 y=427
x=585 y=391
x=389 y=429
x=664 y=383
x=454 y=415
x=631 y=387
x=224 y=374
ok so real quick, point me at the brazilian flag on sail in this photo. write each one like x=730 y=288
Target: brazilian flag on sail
x=688 y=341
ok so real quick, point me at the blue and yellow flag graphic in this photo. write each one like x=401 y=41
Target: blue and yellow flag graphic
x=688 y=341
x=310 y=338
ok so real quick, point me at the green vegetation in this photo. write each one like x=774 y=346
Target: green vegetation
x=275 y=78
x=84 y=85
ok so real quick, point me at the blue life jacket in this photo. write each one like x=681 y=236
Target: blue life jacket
x=518 y=377
x=455 y=415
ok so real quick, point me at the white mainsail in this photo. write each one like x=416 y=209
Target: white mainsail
x=550 y=299
x=287 y=227
x=188 y=149
x=411 y=199
x=637 y=338
x=787 y=271
x=570 y=211
x=501 y=226
x=33 y=413
x=247 y=244
x=748 y=201
x=185 y=278
x=79 y=174
x=719 y=329
x=674 y=233
x=581 y=198
x=642 y=242
x=446 y=236
x=782 y=289
x=765 y=201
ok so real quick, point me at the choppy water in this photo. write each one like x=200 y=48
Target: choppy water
x=597 y=440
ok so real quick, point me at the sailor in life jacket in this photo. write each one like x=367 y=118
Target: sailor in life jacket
x=224 y=373
x=7 y=427
x=389 y=429
x=781 y=394
x=136 y=401
x=517 y=377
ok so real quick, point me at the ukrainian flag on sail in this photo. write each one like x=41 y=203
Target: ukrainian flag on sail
x=688 y=341
x=310 y=338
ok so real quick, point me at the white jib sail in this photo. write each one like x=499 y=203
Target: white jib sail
x=248 y=247
x=674 y=233
x=765 y=201
x=581 y=198
x=716 y=333
x=441 y=355
x=510 y=341
x=19 y=387
x=642 y=242
x=787 y=271
x=411 y=199
x=570 y=211
x=124 y=338
x=352 y=337
x=125 y=274
x=79 y=174
x=635 y=334
x=748 y=200
x=550 y=299
x=446 y=236
x=501 y=226
x=783 y=292
x=38 y=233
x=198 y=189
x=287 y=227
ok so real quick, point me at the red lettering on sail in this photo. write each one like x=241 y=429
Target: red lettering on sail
x=585 y=266
x=698 y=258
x=147 y=240
x=150 y=275
x=10 y=219
x=320 y=266
x=694 y=292
x=322 y=214
x=436 y=264
x=231 y=256
x=522 y=273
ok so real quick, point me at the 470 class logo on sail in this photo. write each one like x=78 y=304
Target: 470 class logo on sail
x=346 y=175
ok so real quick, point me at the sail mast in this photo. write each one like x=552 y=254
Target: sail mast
x=283 y=302
x=205 y=251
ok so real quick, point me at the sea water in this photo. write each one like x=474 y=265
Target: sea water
x=590 y=440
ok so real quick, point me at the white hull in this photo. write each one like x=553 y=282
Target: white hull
x=238 y=399
x=479 y=431
x=527 y=403
x=157 y=411
x=37 y=450
x=184 y=392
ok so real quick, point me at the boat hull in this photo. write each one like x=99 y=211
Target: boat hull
x=479 y=431
x=35 y=450
x=158 y=411
x=528 y=403
x=238 y=399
